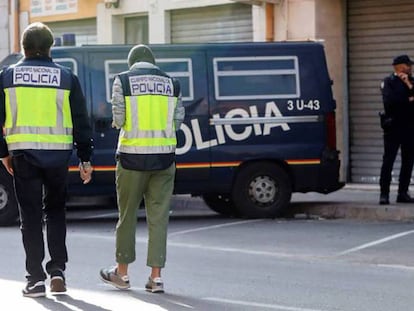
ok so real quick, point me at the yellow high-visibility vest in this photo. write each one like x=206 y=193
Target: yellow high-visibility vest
x=38 y=118
x=149 y=125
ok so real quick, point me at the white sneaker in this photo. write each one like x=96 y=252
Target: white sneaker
x=155 y=285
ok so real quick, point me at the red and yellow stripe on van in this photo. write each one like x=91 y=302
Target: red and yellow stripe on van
x=104 y=168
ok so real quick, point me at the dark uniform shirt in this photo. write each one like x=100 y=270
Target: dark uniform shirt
x=395 y=95
x=82 y=132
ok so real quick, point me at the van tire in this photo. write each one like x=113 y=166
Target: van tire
x=8 y=204
x=262 y=190
x=220 y=203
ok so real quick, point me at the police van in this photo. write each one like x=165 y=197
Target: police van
x=259 y=125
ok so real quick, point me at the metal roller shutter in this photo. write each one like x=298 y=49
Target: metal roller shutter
x=222 y=23
x=378 y=30
x=84 y=30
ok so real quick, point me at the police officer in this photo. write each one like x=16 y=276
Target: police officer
x=398 y=125
x=43 y=112
x=146 y=106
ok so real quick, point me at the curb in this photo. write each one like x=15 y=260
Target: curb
x=357 y=211
x=335 y=208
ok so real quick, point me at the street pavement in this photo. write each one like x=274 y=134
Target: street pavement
x=354 y=201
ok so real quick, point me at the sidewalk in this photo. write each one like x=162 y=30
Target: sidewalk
x=354 y=201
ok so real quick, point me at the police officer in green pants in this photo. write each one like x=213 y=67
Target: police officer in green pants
x=147 y=108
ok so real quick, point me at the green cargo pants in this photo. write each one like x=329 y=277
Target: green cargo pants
x=156 y=188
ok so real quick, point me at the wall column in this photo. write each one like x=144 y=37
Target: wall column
x=331 y=27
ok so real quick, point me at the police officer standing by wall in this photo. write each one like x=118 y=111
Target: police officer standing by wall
x=146 y=106
x=398 y=125
x=43 y=112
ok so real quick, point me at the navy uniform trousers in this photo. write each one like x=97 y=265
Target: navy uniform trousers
x=41 y=192
x=395 y=139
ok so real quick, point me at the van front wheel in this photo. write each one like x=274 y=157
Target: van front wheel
x=262 y=190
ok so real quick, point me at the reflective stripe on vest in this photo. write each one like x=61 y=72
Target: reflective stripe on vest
x=149 y=125
x=38 y=118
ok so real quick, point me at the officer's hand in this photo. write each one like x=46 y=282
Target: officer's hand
x=405 y=78
x=85 y=169
x=7 y=162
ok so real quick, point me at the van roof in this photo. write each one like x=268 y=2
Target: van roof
x=210 y=45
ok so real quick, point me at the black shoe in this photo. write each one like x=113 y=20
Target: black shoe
x=34 y=289
x=384 y=200
x=57 y=283
x=404 y=198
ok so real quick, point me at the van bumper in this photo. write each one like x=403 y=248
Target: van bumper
x=322 y=178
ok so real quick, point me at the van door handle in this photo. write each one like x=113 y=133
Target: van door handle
x=103 y=124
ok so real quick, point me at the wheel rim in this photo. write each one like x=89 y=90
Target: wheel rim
x=4 y=198
x=263 y=190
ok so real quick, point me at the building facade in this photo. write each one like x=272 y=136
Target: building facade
x=360 y=37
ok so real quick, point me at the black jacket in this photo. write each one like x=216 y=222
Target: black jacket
x=395 y=96
x=82 y=132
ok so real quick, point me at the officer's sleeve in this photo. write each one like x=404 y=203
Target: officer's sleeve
x=118 y=104
x=82 y=131
x=179 y=112
x=4 y=152
x=389 y=97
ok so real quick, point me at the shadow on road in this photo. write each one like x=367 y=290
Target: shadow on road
x=66 y=303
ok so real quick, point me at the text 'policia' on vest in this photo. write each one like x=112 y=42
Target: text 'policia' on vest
x=46 y=125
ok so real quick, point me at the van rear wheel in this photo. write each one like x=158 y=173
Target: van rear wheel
x=220 y=203
x=262 y=190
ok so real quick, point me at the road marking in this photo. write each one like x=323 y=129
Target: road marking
x=259 y=305
x=204 y=247
x=213 y=227
x=180 y=304
x=398 y=267
x=242 y=251
x=374 y=243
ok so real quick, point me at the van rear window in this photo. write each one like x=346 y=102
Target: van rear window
x=263 y=77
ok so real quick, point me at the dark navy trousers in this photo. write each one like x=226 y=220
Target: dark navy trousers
x=394 y=140
x=41 y=196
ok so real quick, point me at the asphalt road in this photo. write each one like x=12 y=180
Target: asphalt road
x=217 y=263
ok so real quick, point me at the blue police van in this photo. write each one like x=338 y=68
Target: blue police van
x=260 y=123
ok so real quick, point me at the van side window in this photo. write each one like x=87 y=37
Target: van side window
x=179 y=68
x=261 y=77
x=182 y=70
x=68 y=62
x=112 y=68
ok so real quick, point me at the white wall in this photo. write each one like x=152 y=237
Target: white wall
x=295 y=20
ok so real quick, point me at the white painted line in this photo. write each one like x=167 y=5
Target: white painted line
x=214 y=227
x=399 y=267
x=97 y=216
x=259 y=305
x=202 y=247
x=374 y=243
x=242 y=251
x=180 y=304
